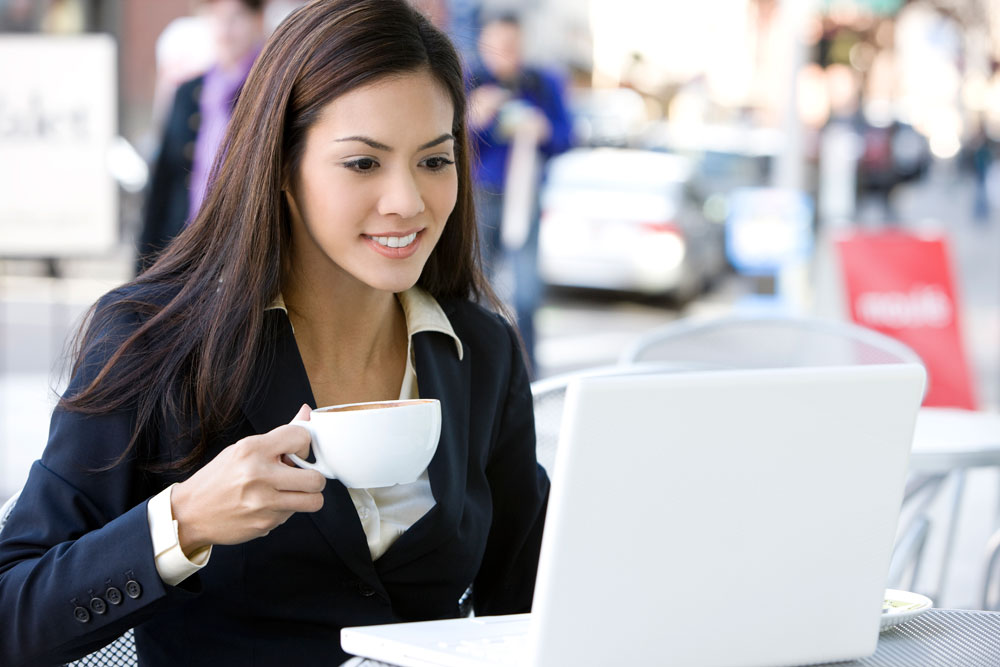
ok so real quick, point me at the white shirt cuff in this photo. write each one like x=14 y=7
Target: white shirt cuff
x=171 y=563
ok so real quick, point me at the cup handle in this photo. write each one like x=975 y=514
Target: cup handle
x=295 y=458
x=304 y=464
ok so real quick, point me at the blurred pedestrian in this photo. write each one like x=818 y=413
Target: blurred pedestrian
x=981 y=149
x=436 y=12
x=196 y=123
x=519 y=119
x=19 y=16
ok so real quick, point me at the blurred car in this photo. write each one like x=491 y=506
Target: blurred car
x=719 y=173
x=724 y=157
x=621 y=219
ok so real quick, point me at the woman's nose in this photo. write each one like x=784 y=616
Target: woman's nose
x=401 y=196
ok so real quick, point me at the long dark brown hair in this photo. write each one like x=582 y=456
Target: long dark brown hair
x=199 y=309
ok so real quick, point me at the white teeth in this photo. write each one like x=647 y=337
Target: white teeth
x=395 y=241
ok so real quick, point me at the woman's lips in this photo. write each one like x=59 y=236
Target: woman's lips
x=395 y=246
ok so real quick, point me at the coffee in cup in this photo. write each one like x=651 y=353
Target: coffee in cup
x=375 y=444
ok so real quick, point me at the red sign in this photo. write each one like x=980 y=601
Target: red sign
x=901 y=285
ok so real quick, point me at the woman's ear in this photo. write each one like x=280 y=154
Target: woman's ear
x=293 y=208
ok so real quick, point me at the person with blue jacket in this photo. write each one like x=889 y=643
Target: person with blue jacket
x=510 y=101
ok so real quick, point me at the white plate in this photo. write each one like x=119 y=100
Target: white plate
x=901 y=606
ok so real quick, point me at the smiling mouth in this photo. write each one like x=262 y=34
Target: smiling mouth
x=393 y=241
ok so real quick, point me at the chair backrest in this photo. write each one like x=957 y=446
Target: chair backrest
x=548 y=394
x=767 y=342
x=723 y=343
x=6 y=508
x=779 y=342
x=119 y=653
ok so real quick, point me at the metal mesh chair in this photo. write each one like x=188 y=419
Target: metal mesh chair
x=991 y=585
x=780 y=342
x=767 y=342
x=119 y=653
x=548 y=394
x=728 y=342
x=6 y=508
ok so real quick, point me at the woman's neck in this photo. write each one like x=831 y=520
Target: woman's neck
x=352 y=339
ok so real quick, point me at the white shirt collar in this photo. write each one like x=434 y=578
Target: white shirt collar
x=421 y=310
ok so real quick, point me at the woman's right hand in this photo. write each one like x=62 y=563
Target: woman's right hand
x=247 y=490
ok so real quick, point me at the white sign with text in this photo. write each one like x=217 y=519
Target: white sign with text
x=58 y=119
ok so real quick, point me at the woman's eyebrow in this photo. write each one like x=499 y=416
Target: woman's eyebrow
x=440 y=140
x=378 y=145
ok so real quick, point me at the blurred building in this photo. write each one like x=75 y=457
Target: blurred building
x=788 y=65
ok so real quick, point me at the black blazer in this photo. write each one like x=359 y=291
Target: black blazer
x=76 y=560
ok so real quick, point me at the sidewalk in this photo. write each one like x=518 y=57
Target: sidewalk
x=38 y=317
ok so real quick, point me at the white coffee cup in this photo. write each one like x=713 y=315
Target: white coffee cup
x=370 y=445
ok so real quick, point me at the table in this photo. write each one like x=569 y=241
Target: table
x=949 y=441
x=936 y=638
x=939 y=638
x=947 y=438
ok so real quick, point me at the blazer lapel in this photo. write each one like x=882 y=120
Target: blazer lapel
x=282 y=386
x=440 y=375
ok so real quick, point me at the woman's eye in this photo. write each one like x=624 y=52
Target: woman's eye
x=437 y=163
x=362 y=164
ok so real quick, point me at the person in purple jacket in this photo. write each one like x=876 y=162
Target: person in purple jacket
x=196 y=124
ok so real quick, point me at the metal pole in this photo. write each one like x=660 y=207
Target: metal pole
x=793 y=15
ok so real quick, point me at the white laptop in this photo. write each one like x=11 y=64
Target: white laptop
x=731 y=518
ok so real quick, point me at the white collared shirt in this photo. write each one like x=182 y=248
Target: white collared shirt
x=388 y=512
x=385 y=513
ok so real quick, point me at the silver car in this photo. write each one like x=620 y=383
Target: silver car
x=620 y=219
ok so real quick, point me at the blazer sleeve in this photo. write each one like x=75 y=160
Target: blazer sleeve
x=76 y=558
x=520 y=488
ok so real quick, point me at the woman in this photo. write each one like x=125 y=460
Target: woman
x=333 y=261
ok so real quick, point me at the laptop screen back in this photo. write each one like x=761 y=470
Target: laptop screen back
x=726 y=518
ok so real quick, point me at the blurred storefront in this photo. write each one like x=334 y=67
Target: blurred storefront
x=797 y=65
x=135 y=24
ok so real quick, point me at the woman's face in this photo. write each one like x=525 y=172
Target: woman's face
x=376 y=183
